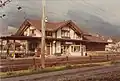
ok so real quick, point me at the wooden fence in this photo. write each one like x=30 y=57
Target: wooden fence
x=26 y=63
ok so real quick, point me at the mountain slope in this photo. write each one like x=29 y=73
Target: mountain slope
x=94 y=24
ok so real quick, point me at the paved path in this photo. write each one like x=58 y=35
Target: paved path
x=68 y=75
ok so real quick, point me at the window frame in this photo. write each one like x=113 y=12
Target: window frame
x=75 y=47
x=65 y=33
x=48 y=33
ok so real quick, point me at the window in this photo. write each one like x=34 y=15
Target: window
x=65 y=33
x=76 y=36
x=25 y=33
x=48 y=33
x=75 y=48
x=48 y=43
x=32 y=32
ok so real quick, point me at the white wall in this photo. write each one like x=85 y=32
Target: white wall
x=53 y=48
x=59 y=33
x=73 y=35
x=58 y=47
x=80 y=53
x=53 y=35
x=37 y=32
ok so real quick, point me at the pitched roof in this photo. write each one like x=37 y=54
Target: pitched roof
x=95 y=39
x=51 y=26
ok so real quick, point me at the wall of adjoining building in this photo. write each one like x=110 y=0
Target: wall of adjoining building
x=95 y=46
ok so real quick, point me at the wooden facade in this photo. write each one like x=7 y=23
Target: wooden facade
x=95 y=46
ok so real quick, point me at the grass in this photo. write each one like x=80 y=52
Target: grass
x=45 y=70
x=48 y=69
x=114 y=62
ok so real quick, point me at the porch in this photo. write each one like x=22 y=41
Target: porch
x=29 y=45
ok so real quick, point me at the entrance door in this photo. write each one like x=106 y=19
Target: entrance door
x=48 y=50
x=65 y=49
x=83 y=50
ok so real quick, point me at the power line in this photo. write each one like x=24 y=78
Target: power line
x=19 y=8
x=97 y=11
x=2 y=4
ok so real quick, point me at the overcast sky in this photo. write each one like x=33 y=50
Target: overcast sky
x=107 y=10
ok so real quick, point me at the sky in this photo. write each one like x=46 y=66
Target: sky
x=89 y=13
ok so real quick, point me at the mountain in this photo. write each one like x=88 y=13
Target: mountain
x=95 y=16
x=3 y=26
x=86 y=21
x=94 y=24
x=12 y=30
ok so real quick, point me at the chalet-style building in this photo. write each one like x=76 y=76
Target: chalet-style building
x=61 y=38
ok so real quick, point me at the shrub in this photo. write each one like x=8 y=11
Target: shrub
x=114 y=62
x=68 y=66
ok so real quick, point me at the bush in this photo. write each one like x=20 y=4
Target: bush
x=114 y=62
x=10 y=73
x=37 y=70
x=68 y=66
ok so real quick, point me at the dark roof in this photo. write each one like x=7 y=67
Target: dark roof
x=50 y=26
x=95 y=39
x=53 y=26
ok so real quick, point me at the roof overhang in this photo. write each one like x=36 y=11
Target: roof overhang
x=47 y=38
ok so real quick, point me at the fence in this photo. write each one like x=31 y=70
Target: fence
x=26 y=63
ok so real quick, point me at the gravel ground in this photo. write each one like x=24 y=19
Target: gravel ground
x=107 y=73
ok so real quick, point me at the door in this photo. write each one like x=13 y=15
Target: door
x=65 y=49
x=83 y=50
x=48 y=50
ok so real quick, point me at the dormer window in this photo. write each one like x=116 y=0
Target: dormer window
x=76 y=36
x=65 y=33
x=32 y=32
x=48 y=33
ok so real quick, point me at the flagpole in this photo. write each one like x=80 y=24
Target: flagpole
x=43 y=36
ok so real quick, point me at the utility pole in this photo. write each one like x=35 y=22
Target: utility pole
x=43 y=36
